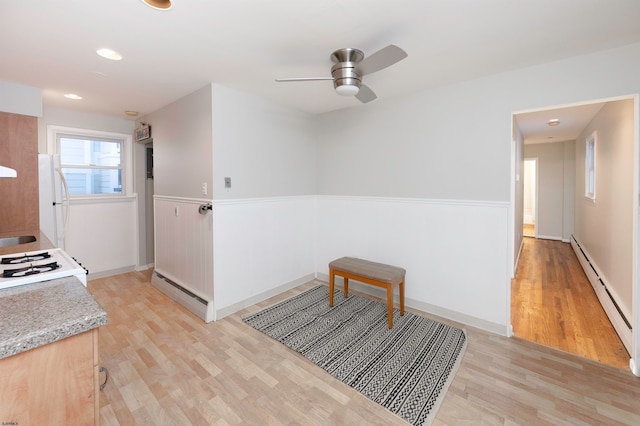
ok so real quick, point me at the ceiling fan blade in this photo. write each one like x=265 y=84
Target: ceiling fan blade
x=286 y=80
x=365 y=94
x=381 y=59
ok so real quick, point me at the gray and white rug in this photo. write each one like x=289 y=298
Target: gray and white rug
x=406 y=369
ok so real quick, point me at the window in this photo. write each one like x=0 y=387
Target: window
x=590 y=167
x=93 y=162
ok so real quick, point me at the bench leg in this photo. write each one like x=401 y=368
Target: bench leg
x=332 y=279
x=401 y=298
x=346 y=287
x=390 y=304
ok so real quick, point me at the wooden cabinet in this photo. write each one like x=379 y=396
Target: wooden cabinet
x=52 y=384
x=19 y=195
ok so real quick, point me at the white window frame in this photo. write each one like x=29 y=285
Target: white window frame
x=126 y=155
x=590 y=144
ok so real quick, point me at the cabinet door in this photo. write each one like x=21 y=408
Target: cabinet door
x=52 y=384
x=19 y=195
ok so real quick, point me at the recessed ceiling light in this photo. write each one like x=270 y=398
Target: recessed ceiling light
x=553 y=122
x=131 y=113
x=109 y=54
x=158 y=4
x=73 y=96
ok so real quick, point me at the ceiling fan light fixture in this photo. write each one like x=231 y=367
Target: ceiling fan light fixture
x=158 y=4
x=109 y=54
x=347 y=90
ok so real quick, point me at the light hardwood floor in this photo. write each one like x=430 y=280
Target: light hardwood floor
x=529 y=230
x=169 y=367
x=553 y=303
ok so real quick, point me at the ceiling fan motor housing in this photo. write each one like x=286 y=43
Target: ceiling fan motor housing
x=345 y=77
x=346 y=80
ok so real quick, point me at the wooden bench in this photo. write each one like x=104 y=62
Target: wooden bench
x=377 y=274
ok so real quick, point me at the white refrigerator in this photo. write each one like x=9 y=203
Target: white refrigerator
x=54 y=199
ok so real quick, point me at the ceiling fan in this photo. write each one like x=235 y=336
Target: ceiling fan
x=351 y=65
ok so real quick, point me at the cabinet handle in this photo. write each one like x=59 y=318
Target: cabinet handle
x=106 y=376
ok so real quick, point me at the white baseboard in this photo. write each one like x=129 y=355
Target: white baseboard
x=634 y=367
x=145 y=267
x=110 y=272
x=231 y=309
x=424 y=307
x=606 y=300
x=549 y=237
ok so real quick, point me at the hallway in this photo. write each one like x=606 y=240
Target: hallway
x=553 y=303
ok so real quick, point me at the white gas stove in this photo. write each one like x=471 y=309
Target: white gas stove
x=36 y=266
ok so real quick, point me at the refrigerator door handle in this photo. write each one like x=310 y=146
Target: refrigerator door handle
x=65 y=198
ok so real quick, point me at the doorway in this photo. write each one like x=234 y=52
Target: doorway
x=530 y=197
x=522 y=197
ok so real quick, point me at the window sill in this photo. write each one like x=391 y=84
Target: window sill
x=104 y=199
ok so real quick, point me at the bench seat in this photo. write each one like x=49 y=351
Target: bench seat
x=373 y=273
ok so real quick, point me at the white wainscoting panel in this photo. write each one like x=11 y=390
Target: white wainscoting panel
x=261 y=247
x=184 y=244
x=455 y=252
x=102 y=235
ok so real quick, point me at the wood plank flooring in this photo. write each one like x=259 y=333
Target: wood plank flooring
x=529 y=230
x=553 y=303
x=169 y=367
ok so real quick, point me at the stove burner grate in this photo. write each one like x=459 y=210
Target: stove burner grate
x=24 y=258
x=30 y=270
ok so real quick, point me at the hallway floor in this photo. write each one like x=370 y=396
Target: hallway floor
x=553 y=303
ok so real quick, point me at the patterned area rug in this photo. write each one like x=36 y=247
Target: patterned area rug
x=406 y=369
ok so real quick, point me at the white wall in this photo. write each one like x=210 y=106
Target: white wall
x=569 y=179
x=604 y=228
x=455 y=252
x=20 y=99
x=182 y=146
x=262 y=247
x=267 y=150
x=79 y=120
x=264 y=224
x=453 y=142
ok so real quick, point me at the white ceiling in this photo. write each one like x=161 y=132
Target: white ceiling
x=535 y=128
x=246 y=44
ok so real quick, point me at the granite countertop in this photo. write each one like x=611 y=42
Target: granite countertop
x=37 y=314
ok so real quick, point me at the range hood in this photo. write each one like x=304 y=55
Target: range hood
x=6 y=172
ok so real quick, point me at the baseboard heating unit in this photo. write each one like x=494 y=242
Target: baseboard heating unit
x=617 y=317
x=201 y=307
